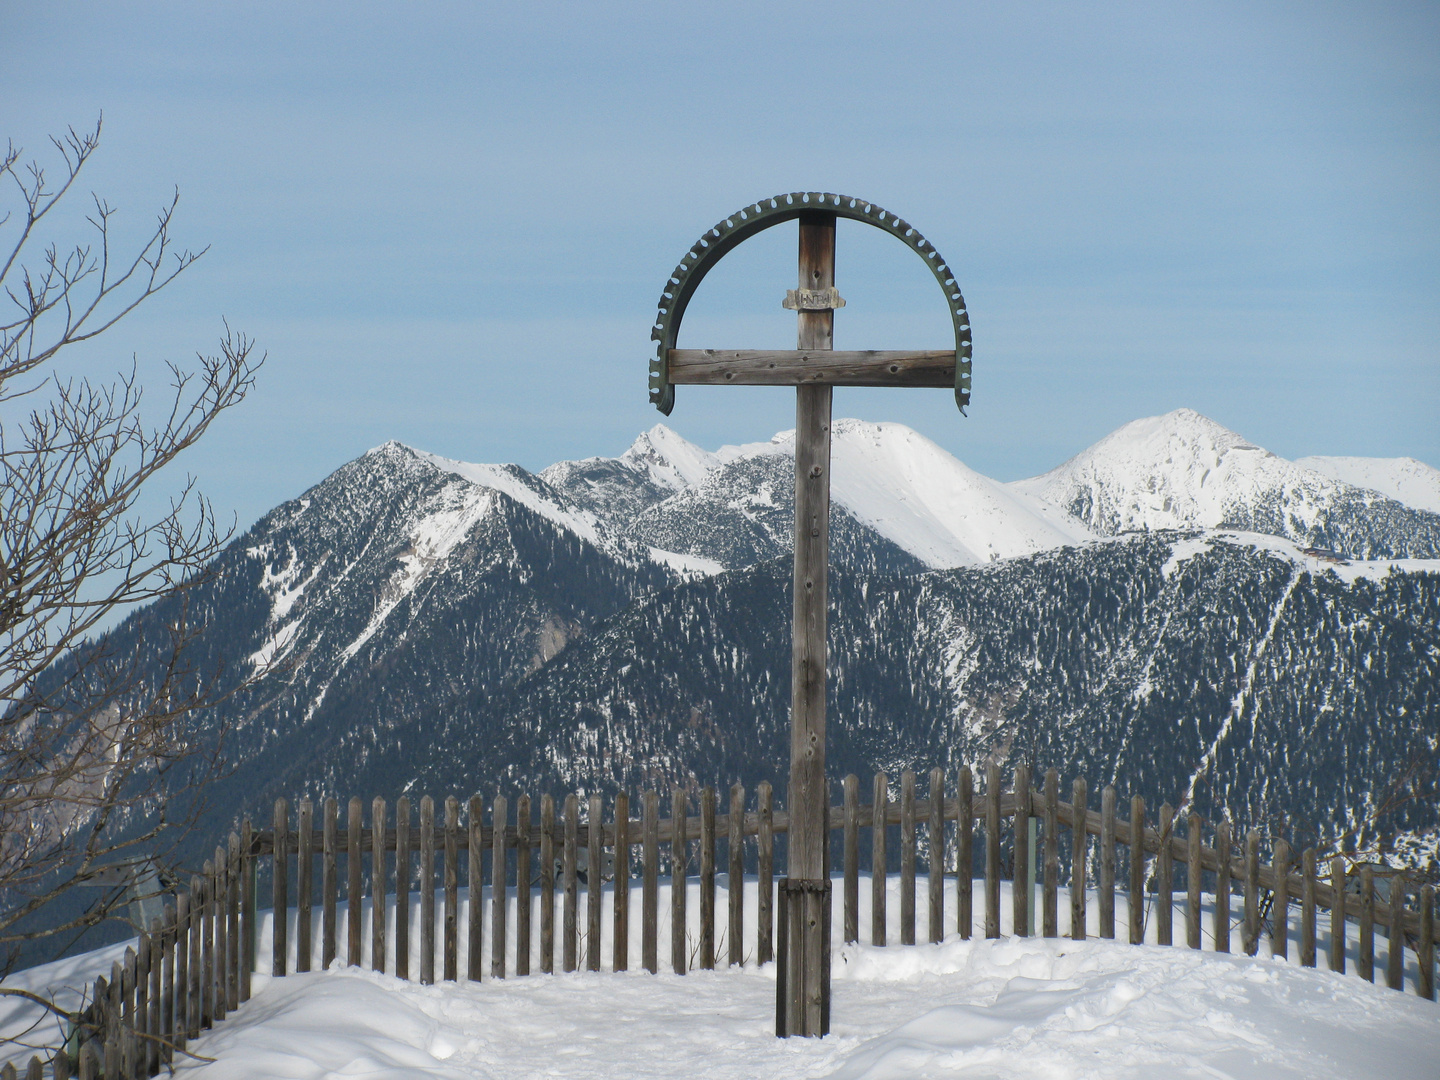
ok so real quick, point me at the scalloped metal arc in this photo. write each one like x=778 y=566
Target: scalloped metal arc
x=745 y=223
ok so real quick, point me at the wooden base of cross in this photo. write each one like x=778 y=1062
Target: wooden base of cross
x=802 y=1004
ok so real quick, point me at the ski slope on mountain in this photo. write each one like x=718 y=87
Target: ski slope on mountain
x=1403 y=479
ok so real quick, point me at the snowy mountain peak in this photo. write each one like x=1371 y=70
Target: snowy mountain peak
x=669 y=460
x=1403 y=479
x=1183 y=471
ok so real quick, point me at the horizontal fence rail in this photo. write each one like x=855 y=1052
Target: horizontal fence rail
x=536 y=875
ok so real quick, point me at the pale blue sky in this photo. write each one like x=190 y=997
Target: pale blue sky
x=450 y=224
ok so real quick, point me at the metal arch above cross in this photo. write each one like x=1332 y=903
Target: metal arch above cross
x=813 y=368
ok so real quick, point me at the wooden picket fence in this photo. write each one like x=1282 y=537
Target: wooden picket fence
x=195 y=965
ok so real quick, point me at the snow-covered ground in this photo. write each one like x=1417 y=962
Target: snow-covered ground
x=1011 y=1007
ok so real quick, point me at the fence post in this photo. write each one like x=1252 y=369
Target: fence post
x=765 y=841
x=547 y=884
x=303 y=869
x=1337 y=914
x=992 y=850
x=935 y=862
x=1107 y=862
x=1080 y=836
x=965 y=853
x=707 y=878
x=650 y=886
x=571 y=945
x=735 y=894
x=402 y=887
x=1165 y=880
x=1307 y=909
x=1222 y=887
x=378 y=886
x=1250 y=937
x=879 y=817
x=678 y=869
x=1425 y=953
x=1395 y=936
x=475 y=896
x=427 y=890
x=1280 y=907
x=355 y=902
x=1194 y=871
x=1366 y=959
x=329 y=883
x=498 y=888
x=1050 y=910
x=1020 y=879
x=248 y=931
x=280 y=893
x=452 y=889
x=523 y=892
x=850 y=842
x=594 y=880
x=1136 y=903
x=907 y=858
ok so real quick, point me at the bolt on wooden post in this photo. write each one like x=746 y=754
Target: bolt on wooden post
x=814 y=369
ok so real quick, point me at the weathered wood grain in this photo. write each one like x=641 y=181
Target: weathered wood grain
x=1020 y=878
x=801 y=367
x=1280 y=907
x=1337 y=915
x=452 y=888
x=992 y=850
x=547 y=884
x=427 y=890
x=1221 y=925
x=907 y=857
x=500 y=812
x=1193 y=876
x=1136 y=860
x=679 y=868
x=965 y=853
x=765 y=842
x=329 y=934
x=1307 y=909
x=594 y=882
x=1165 y=880
x=1107 y=862
x=735 y=850
x=935 y=856
x=354 y=867
x=850 y=842
x=280 y=893
x=620 y=953
x=650 y=888
x=379 y=886
x=304 y=866
x=523 y=890
x=402 y=887
x=879 y=804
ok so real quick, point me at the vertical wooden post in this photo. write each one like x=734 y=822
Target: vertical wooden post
x=1165 y=880
x=329 y=944
x=1365 y=959
x=1193 y=876
x=379 y=887
x=879 y=814
x=280 y=893
x=1395 y=936
x=141 y=1016
x=1020 y=877
x=1136 y=903
x=1425 y=950
x=1222 y=887
x=355 y=893
x=248 y=931
x=907 y=858
x=182 y=967
x=620 y=893
x=304 y=869
x=570 y=947
x=735 y=893
x=650 y=889
x=1337 y=914
x=523 y=891
x=1280 y=908
x=1080 y=838
x=547 y=884
x=1050 y=912
x=765 y=842
x=594 y=881
x=678 y=869
x=1307 y=909
x=427 y=890
x=965 y=853
x=809 y=793
x=935 y=860
x=992 y=850
x=1250 y=935
x=498 y=888
x=1107 y=862
x=452 y=889
x=850 y=823
x=197 y=937
x=222 y=938
x=707 y=878
x=402 y=886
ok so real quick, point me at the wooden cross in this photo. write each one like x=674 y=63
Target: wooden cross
x=814 y=369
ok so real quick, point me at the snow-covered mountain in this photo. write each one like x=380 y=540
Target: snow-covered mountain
x=1184 y=471
x=1403 y=479
x=426 y=624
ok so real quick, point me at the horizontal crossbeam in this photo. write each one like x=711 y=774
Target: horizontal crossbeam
x=791 y=367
